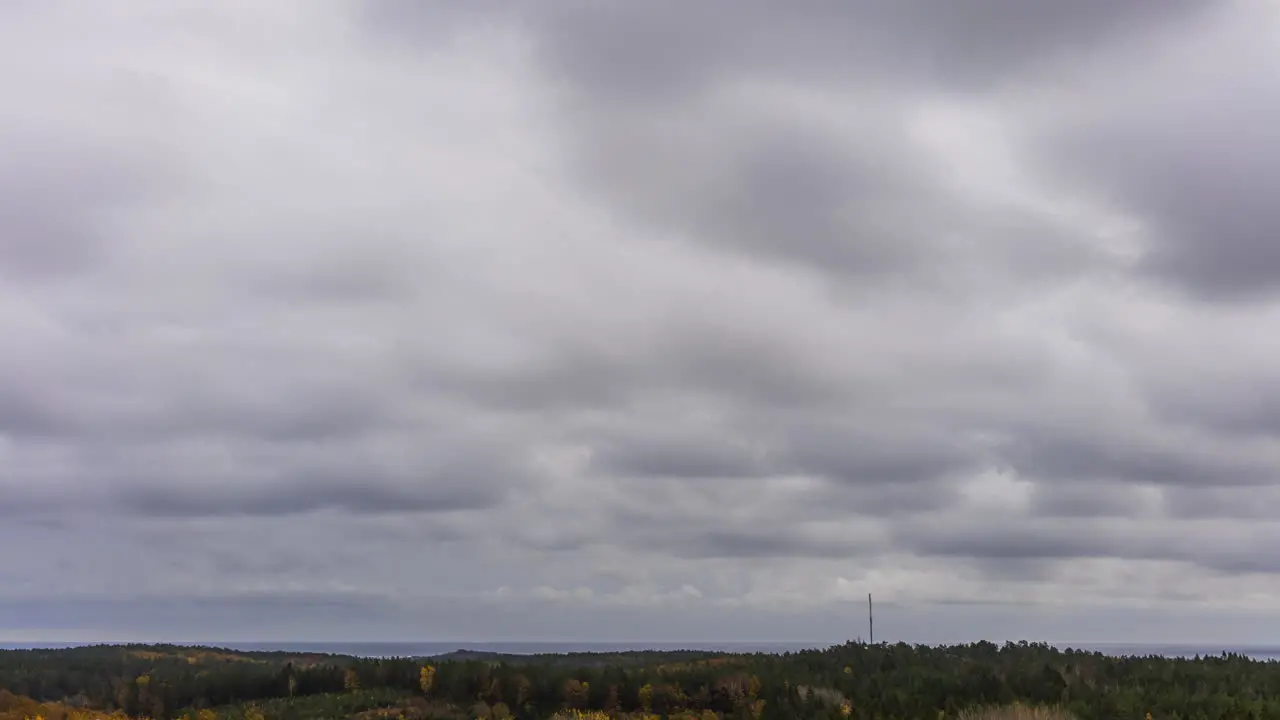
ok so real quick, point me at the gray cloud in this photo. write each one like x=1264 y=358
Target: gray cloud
x=757 y=544
x=1233 y=406
x=1166 y=458
x=859 y=456
x=358 y=493
x=682 y=118
x=823 y=449
x=55 y=201
x=201 y=478
x=62 y=192
x=1189 y=155
x=787 y=178
x=1037 y=549
x=1004 y=542
x=1093 y=499
x=670 y=47
x=1209 y=502
x=678 y=454
x=368 y=319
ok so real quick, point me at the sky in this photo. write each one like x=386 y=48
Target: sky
x=661 y=321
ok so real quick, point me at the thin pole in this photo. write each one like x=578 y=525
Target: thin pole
x=871 y=620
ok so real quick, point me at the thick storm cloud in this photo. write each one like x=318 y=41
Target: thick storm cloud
x=658 y=321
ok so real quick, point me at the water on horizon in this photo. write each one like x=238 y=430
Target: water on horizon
x=431 y=648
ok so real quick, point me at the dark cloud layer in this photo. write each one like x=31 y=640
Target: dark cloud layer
x=658 y=48
x=641 y=320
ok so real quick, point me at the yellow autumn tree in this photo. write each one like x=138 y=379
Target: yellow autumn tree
x=351 y=681
x=427 y=679
x=144 y=688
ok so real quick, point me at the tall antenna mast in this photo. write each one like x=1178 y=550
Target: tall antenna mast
x=871 y=621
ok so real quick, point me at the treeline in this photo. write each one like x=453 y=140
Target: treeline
x=880 y=682
x=905 y=681
x=162 y=681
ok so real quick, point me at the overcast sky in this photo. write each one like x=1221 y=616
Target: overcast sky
x=640 y=321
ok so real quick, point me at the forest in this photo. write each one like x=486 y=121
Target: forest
x=854 y=680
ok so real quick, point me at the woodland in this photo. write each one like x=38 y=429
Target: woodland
x=854 y=680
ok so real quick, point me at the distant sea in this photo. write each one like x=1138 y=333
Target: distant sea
x=428 y=649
